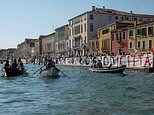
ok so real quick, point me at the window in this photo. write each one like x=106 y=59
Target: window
x=126 y=18
x=81 y=28
x=84 y=17
x=135 y=19
x=85 y=39
x=143 y=44
x=91 y=17
x=76 y=30
x=150 y=30
x=69 y=43
x=117 y=36
x=124 y=35
x=105 y=31
x=112 y=37
x=139 y=32
x=122 y=18
x=114 y=27
x=93 y=45
x=130 y=45
x=106 y=44
x=97 y=44
x=120 y=36
x=144 y=31
x=150 y=44
x=91 y=27
x=138 y=44
x=116 y=17
x=131 y=33
x=69 y=31
x=85 y=28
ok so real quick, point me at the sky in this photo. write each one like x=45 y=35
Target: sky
x=20 y=19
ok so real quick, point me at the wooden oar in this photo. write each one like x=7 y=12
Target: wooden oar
x=38 y=70
x=63 y=73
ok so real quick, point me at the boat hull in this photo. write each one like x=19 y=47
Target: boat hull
x=51 y=72
x=13 y=73
x=109 y=70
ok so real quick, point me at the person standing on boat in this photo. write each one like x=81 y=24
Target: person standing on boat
x=50 y=63
x=20 y=64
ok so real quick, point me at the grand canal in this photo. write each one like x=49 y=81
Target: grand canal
x=81 y=92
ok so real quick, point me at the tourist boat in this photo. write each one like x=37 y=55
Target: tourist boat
x=51 y=72
x=8 y=72
x=112 y=69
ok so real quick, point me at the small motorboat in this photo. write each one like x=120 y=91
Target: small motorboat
x=9 y=72
x=112 y=69
x=51 y=72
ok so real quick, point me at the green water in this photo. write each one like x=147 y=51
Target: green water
x=81 y=92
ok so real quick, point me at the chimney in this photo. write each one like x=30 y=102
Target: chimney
x=103 y=7
x=131 y=12
x=93 y=8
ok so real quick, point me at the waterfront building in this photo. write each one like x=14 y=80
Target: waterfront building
x=47 y=45
x=141 y=38
x=93 y=46
x=36 y=48
x=8 y=54
x=61 y=45
x=26 y=49
x=113 y=37
x=3 y=54
x=83 y=28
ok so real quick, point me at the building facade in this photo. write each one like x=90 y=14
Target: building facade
x=141 y=38
x=83 y=28
x=26 y=49
x=8 y=54
x=47 y=45
x=112 y=36
x=61 y=45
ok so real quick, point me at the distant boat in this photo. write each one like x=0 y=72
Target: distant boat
x=9 y=72
x=112 y=69
x=50 y=72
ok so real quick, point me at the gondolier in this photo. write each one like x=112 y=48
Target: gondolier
x=50 y=63
x=50 y=70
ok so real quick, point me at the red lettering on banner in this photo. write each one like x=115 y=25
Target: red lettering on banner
x=140 y=56
x=147 y=61
x=121 y=59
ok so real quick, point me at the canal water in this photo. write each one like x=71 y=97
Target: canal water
x=78 y=92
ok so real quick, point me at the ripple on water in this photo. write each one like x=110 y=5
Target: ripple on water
x=80 y=92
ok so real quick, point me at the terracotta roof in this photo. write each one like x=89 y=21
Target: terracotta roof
x=117 y=12
x=113 y=12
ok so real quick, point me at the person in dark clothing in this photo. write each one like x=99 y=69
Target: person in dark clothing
x=14 y=64
x=50 y=63
x=20 y=64
x=99 y=64
x=7 y=65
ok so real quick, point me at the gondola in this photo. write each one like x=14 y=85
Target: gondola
x=51 y=72
x=112 y=69
x=9 y=72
